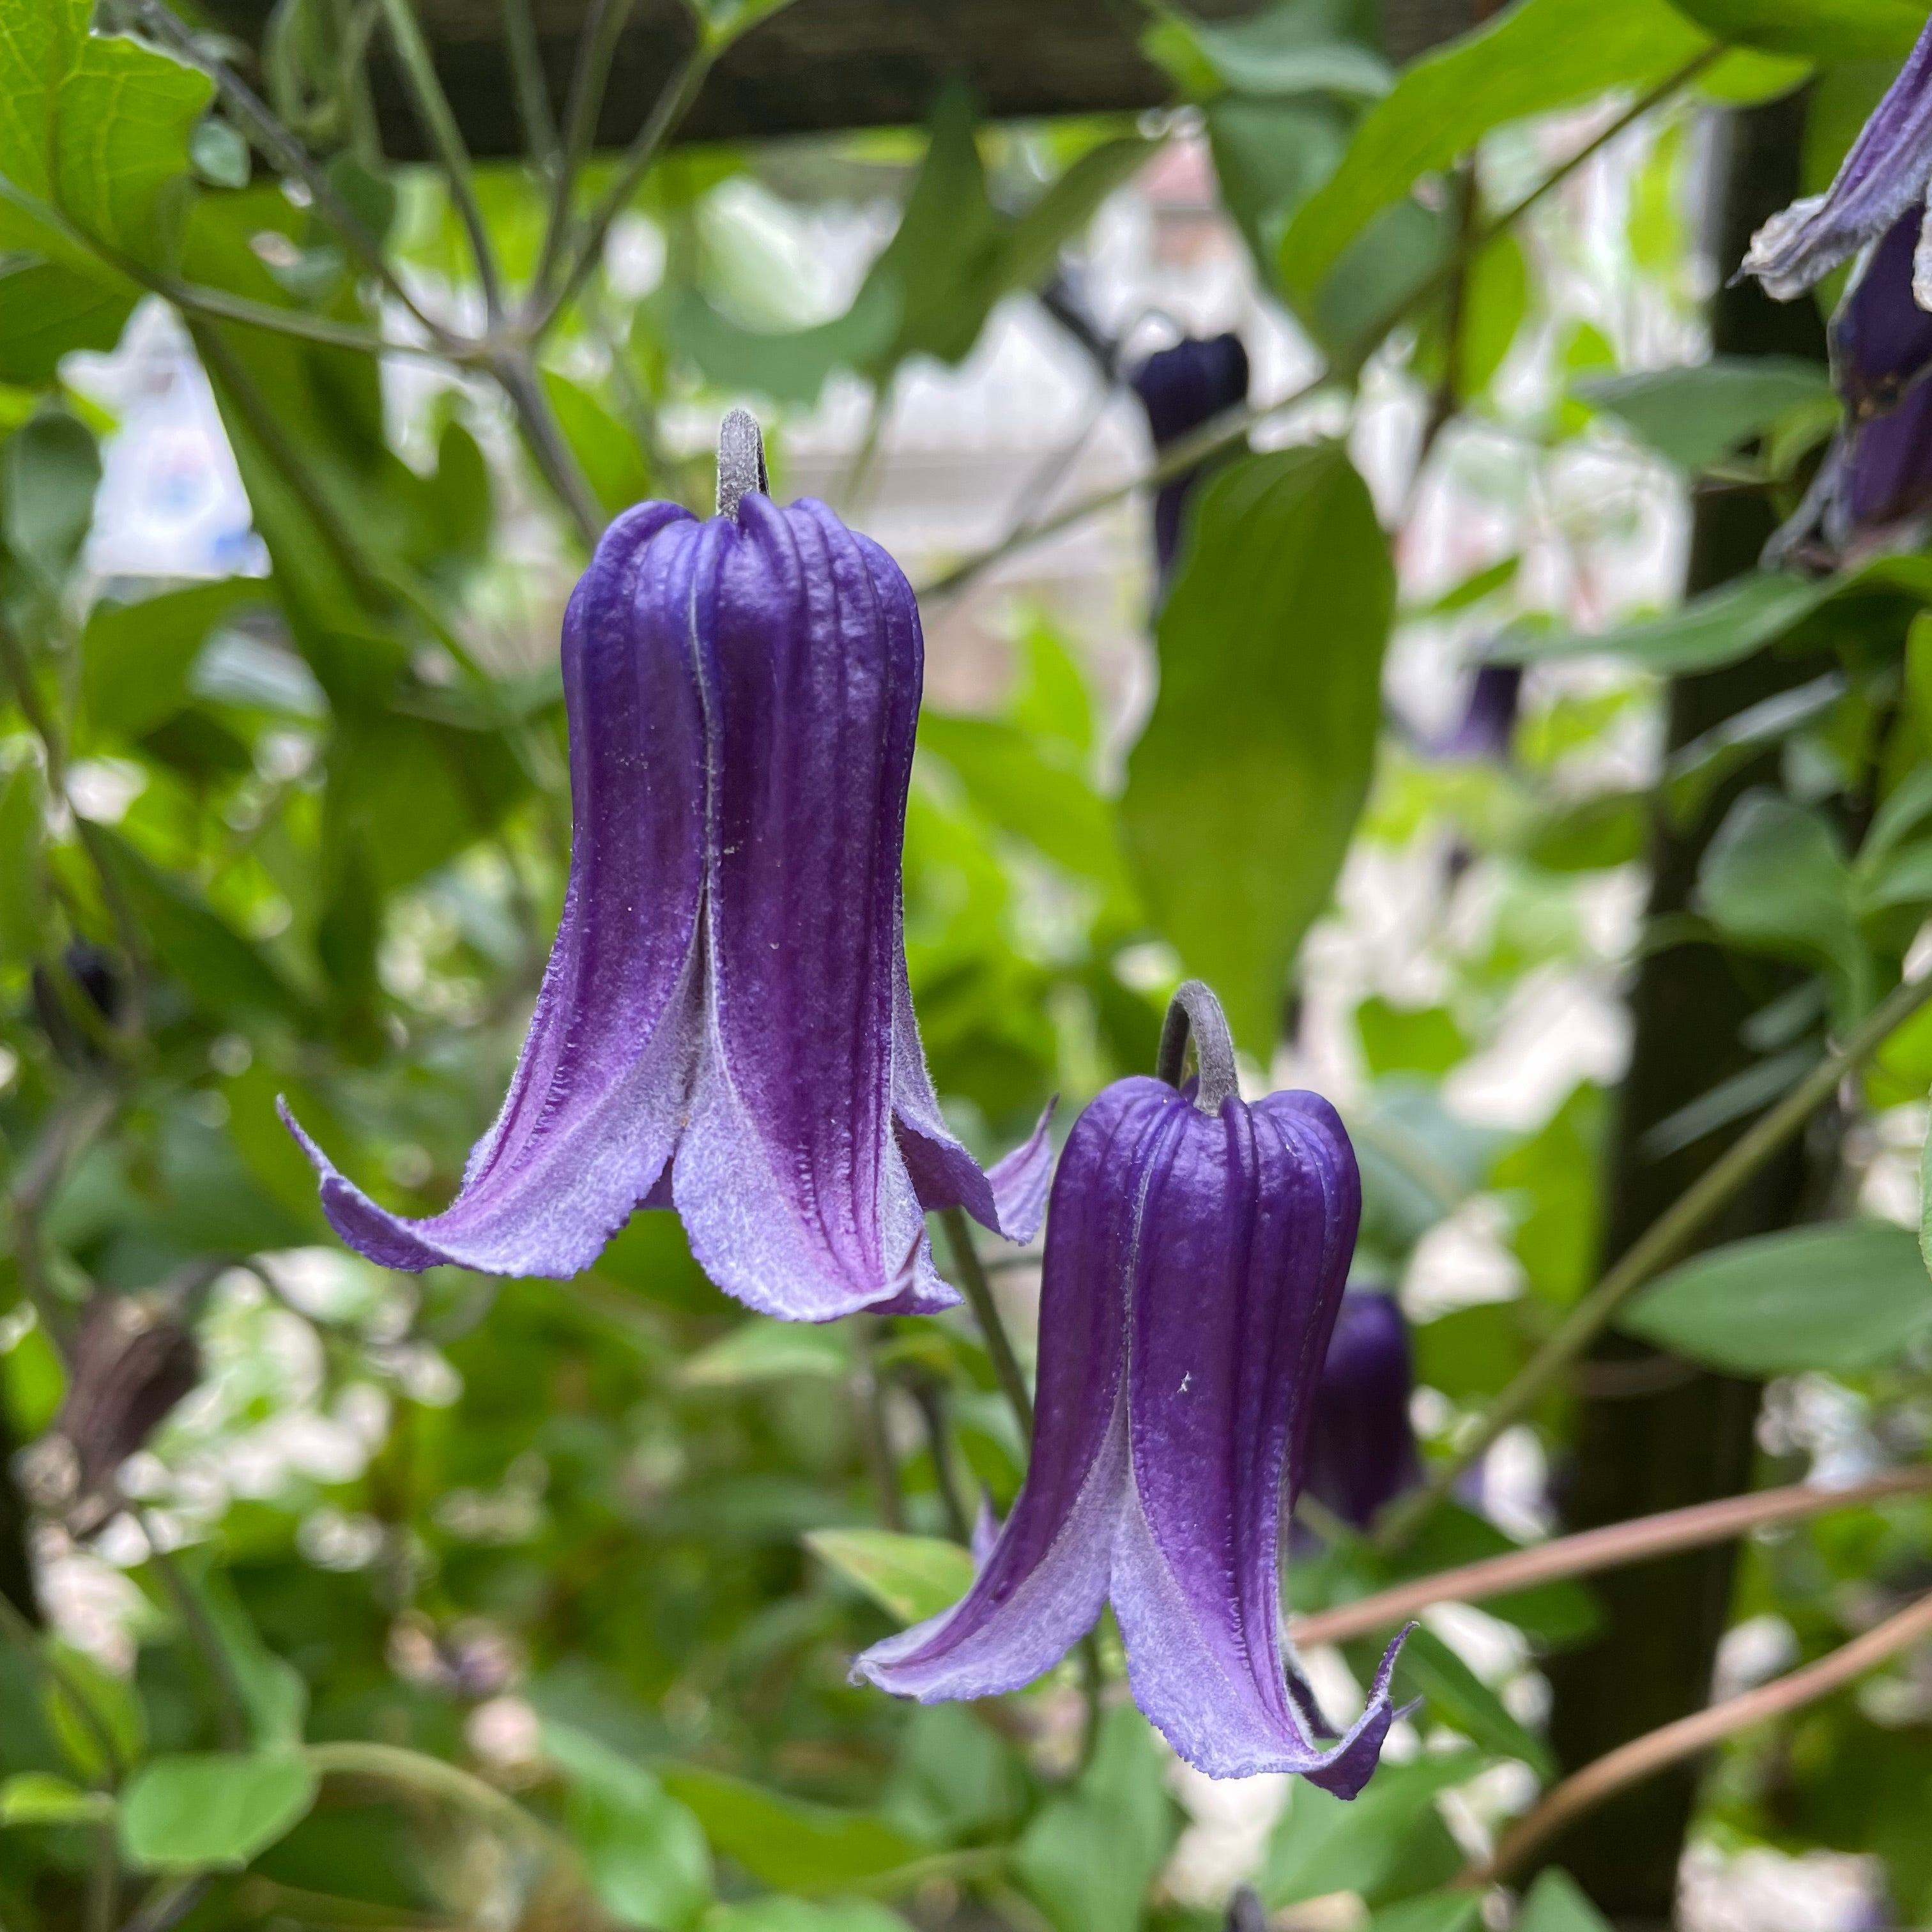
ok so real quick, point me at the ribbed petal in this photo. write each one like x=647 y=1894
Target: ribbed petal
x=595 y=1106
x=789 y=1178
x=1249 y=1219
x=1884 y=174
x=1042 y=1585
x=1008 y=1198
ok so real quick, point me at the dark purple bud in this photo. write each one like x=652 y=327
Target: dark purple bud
x=1876 y=478
x=92 y=976
x=1182 y=389
x=1361 y=1447
x=1194 y=1260
x=131 y=1364
x=1488 y=725
x=1884 y=177
x=725 y=1018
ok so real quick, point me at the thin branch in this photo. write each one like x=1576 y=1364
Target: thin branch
x=1655 y=1249
x=978 y=1293
x=1644 y=1756
x=596 y=46
x=231 y=1704
x=278 y=146
x=519 y=37
x=170 y=1902
x=433 y=109
x=868 y=1399
x=217 y=305
x=680 y=91
x=76 y=1121
x=1225 y=431
x=544 y=437
x=1610 y=1548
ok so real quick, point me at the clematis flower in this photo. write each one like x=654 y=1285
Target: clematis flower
x=1874 y=486
x=1488 y=723
x=1182 y=389
x=1885 y=176
x=1361 y=1448
x=1195 y=1251
x=725 y=1025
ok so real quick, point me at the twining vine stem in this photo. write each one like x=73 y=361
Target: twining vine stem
x=1592 y=1550
x=1644 y=1756
x=1659 y=1245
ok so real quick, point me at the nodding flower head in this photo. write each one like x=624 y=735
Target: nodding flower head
x=725 y=1025
x=1182 y=389
x=1361 y=1447
x=1196 y=1247
x=1884 y=177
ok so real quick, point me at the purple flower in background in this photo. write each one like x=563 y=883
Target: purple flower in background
x=1195 y=1252
x=725 y=1024
x=1181 y=389
x=1877 y=475
x=1488 y=725
x=1361 y=1448
x=1884 y=177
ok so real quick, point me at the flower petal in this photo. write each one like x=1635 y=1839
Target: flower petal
x=594 y=1107
x=1042 y=1584
x=1884 y=174
x=790 y=1179
x=1246 y=1229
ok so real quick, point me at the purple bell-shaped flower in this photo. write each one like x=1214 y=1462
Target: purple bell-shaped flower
x=1361 y=1445
x=1196 y=1248
x=1182 y=389
x=725 y=1024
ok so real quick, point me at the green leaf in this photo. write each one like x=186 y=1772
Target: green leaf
x=94 y=132
x=605 y=450
x=1538 y=55
x=1284 y=50
x=1269 y=156
x=1830 y=31
x=913 y=1577
x=22 y=841
x=212 y=1811
x=1428 y=1668
x=1376 y=1844
x=52 y=471
x=763 y=1351
x=226 y=974
x=1434 y=1912
x=1693 y=416
x=645 y=1852
x=47 y=310
x=1555 y=1903
x=39 y=1798
x=274 y=1693
x=775 y=1914
x=1774 y=878
x=1089 y=1854
x=785 y=1842
x=96 y=1716
x=790 y=366
x=1048 y=804
x=1717 y=628
x=1247 y=781
x=136 y=658
x=1842 y=1296
x=1415 y=1039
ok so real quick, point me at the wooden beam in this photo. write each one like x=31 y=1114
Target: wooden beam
x=813 y=65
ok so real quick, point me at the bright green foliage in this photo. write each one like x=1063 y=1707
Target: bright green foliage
x=191 y=1814
x=1263 y=738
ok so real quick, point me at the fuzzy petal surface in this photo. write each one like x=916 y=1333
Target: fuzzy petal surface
x=789 y=1178
x=597 y=1100
x=1885 y=175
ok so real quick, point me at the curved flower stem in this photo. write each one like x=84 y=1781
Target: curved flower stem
x=1643 y=1756
x=428 y=1777
x=438 y=120
x=868 y=1399
x=1658 y=1245
x=928 y=1393
x=1225 y=431
x=978 y=1293
x=1609 y=1548
x=1194 y=1009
